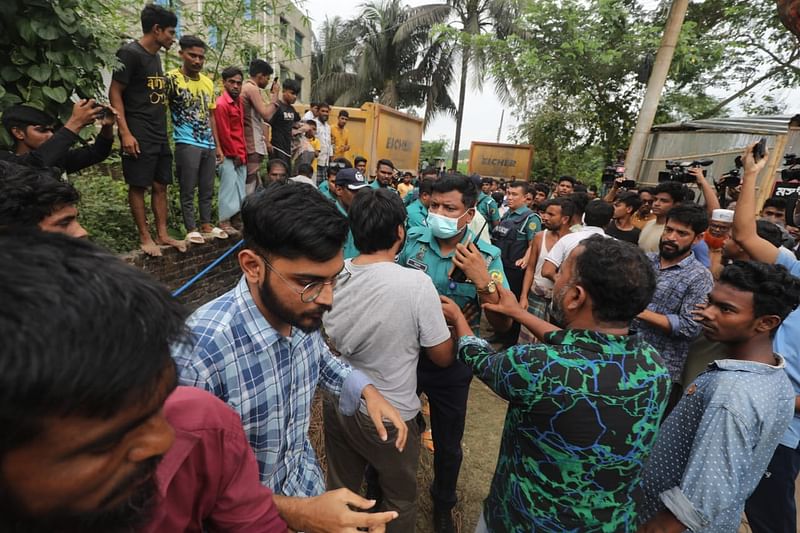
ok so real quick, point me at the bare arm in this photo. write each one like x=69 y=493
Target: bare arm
x=612 y=192
x=129 y=143
x=710 y=195
x=220 y=156
x=744 y=222
x=507 y=306
x=253 y=94
x=549 y=270
x=442 y=354
x=533 y=257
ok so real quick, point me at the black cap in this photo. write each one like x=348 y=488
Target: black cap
x=351 y=178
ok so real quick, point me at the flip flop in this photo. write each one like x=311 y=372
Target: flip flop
x=219 y=233
x=194 y=237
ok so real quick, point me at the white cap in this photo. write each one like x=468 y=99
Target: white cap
x=722 y=215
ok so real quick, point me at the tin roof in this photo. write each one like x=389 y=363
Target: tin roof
x=775 y=124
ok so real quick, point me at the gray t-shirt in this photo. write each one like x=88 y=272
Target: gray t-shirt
x=381 y=317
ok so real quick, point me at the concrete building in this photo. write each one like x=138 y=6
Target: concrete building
x=281 y=35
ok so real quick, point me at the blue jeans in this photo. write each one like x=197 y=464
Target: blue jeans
x=771 y=508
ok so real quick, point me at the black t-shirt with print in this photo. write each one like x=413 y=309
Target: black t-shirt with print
x=281 y=124
x=145 y=95
x=631 y=235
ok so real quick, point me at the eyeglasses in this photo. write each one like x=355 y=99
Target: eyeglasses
x=311 y=292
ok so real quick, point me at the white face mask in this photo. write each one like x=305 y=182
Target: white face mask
x=444 y=227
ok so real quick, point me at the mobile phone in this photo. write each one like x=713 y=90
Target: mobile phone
x=759 y=149
x=457 y=275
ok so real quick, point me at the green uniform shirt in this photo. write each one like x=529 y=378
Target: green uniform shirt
x=326 y=191
x=488 y=208
x=532 y=227
x=417 y=215
x=350 y=249
x=422 y=252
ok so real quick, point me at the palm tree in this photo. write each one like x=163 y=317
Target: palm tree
x=386 y=54
x=474 y=18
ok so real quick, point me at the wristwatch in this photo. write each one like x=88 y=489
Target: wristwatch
x=490 y=288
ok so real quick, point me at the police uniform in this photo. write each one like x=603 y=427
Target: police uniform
x=447 y=388
x=512 y=235
x=417 y=213
x=488 y=208
x=350 y=249
x=411 y=197
x=326 y=191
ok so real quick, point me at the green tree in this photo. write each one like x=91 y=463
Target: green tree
x=54 y=49
x=430 y=151
x=471 y=19
x=391 y=58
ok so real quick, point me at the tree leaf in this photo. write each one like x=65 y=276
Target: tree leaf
x=46 y=31
x=58 y=94
x=40 y=73
x=26 y=31
x=10 y=73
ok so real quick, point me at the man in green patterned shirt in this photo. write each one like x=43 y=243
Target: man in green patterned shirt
x=583 y=406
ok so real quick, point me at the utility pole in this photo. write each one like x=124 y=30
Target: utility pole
x=655 y=85
x=500 y=129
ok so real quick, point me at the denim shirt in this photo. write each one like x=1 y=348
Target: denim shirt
x=716 y=444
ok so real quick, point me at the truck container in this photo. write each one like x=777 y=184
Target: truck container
x=380 y=132
x=497 y=160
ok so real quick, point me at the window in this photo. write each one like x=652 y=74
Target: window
x=284 y=28
x=298 y=44
x=299 y=80
x=214 y=36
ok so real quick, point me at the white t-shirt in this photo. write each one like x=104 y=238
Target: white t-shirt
x=303 y=179
x=561 y=250
x=381 y=317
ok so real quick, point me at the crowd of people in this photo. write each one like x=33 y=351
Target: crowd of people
x=646 y=344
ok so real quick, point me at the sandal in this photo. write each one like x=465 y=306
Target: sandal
x=194 y=237
x=228 y=229
x=219 y=233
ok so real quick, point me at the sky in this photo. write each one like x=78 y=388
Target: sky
x=482 y=108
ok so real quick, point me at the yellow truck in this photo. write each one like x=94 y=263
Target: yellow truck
x=380 y=132
x=497 y=160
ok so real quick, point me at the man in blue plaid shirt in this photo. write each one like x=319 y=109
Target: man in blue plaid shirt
x=259 y=347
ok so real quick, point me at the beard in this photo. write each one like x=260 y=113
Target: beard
x=670 y=250
x=307 y=321
x=556 y=308
x=127 y=516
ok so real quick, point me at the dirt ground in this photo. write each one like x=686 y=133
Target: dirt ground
x=484 y=427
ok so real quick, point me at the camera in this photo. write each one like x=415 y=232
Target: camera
x=792 y=170
x=679 y=170
x=733 y=177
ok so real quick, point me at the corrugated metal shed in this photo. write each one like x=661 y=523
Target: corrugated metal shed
x=719 y=139
x=765 y=124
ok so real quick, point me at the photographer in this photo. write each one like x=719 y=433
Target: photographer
x=37 y=143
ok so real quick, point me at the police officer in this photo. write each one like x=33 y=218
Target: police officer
x=418 y=209
x=486 y=204
x=513 y=235
x=328 y=187
x=348 y=182
x=436 y=249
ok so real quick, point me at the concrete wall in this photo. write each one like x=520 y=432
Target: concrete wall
x=175 y=268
